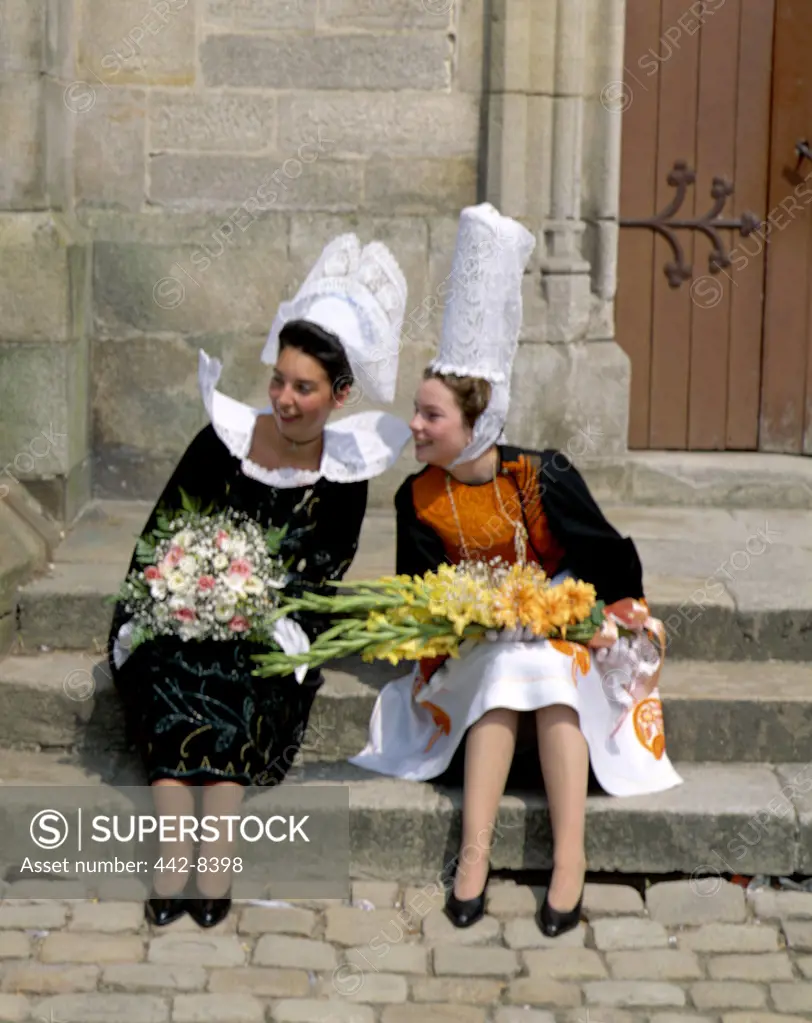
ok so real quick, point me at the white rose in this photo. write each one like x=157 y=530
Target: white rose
x=224 y=612
x=236 y=583
x=253 y=586
x=158 y=589
x=183 y=538
x=177 y=602
x=176 y=581
x=220 y=562
x=188 y=565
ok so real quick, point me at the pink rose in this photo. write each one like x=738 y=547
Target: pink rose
x=241 y=567
x=173 y=558
x=184 y=614
x=206 y=582
x=152 y=573
x=221 y=538
x=238 y=624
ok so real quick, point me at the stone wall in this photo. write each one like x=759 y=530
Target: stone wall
x=218 y=146
x=205 y=150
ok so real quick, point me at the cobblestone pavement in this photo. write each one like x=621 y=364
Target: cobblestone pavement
x=684 y=955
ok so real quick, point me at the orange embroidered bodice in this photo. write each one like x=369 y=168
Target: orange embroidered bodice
x=487 y=531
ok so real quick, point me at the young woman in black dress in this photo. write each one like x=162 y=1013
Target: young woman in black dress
x=195 y=711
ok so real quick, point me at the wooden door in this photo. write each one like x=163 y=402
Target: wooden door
x=786 y=404
x=698 y=81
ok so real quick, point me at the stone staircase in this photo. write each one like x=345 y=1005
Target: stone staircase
x=733 y=586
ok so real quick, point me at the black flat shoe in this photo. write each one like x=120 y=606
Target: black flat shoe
x=161 y=912
x=209 y=912
x=553 y=923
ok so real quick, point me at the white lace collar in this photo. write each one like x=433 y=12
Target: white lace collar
x=357 y=447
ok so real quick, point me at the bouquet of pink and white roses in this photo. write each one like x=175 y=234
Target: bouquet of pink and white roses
x=205 y=576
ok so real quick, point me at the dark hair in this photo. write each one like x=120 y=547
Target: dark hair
x=472 y=394
x=321 y=345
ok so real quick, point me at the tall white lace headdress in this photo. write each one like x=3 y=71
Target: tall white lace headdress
x=359 y=294
x=483 y=313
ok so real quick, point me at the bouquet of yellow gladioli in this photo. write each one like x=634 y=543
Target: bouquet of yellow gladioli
x=397 y=618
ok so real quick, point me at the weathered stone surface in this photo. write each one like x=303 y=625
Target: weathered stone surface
x=378 y=894
x=508 y=899
x=657 y=964
x=511 y=1014
x=210 y=121
x=564 y=963
x=368 y=987
x=577 y=368
x=308 y=1010
x=540 y=990
x=399 y=958
x=798 y=935
x=628 y=933
x=713 y=994
x=611 y=900
x=427 y=1013
x=186 y=950
x=523 y=932
x=92 y=948
x=773 y=966
x=35 y=916
x=254 y=184
x=14 y=945
x=43 y=269
x=21 y=173
x=439 y=930
x=14 y=1008
x=769 y=904
x=729 y=938
x=386 y=14
x=304 y=953
x=690 y=902
x=106 y=917
x=481 y=962
x=349 y=926
x=625 y=993
x=45 y=432
x=398 y=124
x=457 y=990
x=101 y=1008
x=278 y=15
x=795 y=997
x=261 y=981
x=419 y=186
x=266 y=920
x=21 y=24
x=137 y=42
x=415 y=61
x=154 y=977
x=230 y=1008
x=43 y=979
x=110 y=150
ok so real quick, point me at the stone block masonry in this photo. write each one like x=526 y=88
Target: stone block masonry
x=355 y=962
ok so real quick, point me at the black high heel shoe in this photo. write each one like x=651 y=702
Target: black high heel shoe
x=553 y=923
x=465 y=912
x=208 y=912
x=162 y=911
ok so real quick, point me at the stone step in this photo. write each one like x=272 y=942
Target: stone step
x=723 y=712
x=733 y=818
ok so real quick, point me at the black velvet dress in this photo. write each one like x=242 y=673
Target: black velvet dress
x=194 y=709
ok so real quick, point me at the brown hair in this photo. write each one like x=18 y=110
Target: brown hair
x=472 y=394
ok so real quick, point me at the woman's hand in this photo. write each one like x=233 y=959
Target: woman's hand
x=606 y=636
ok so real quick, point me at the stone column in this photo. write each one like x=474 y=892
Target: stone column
x=44 y=266
x=553 y=163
